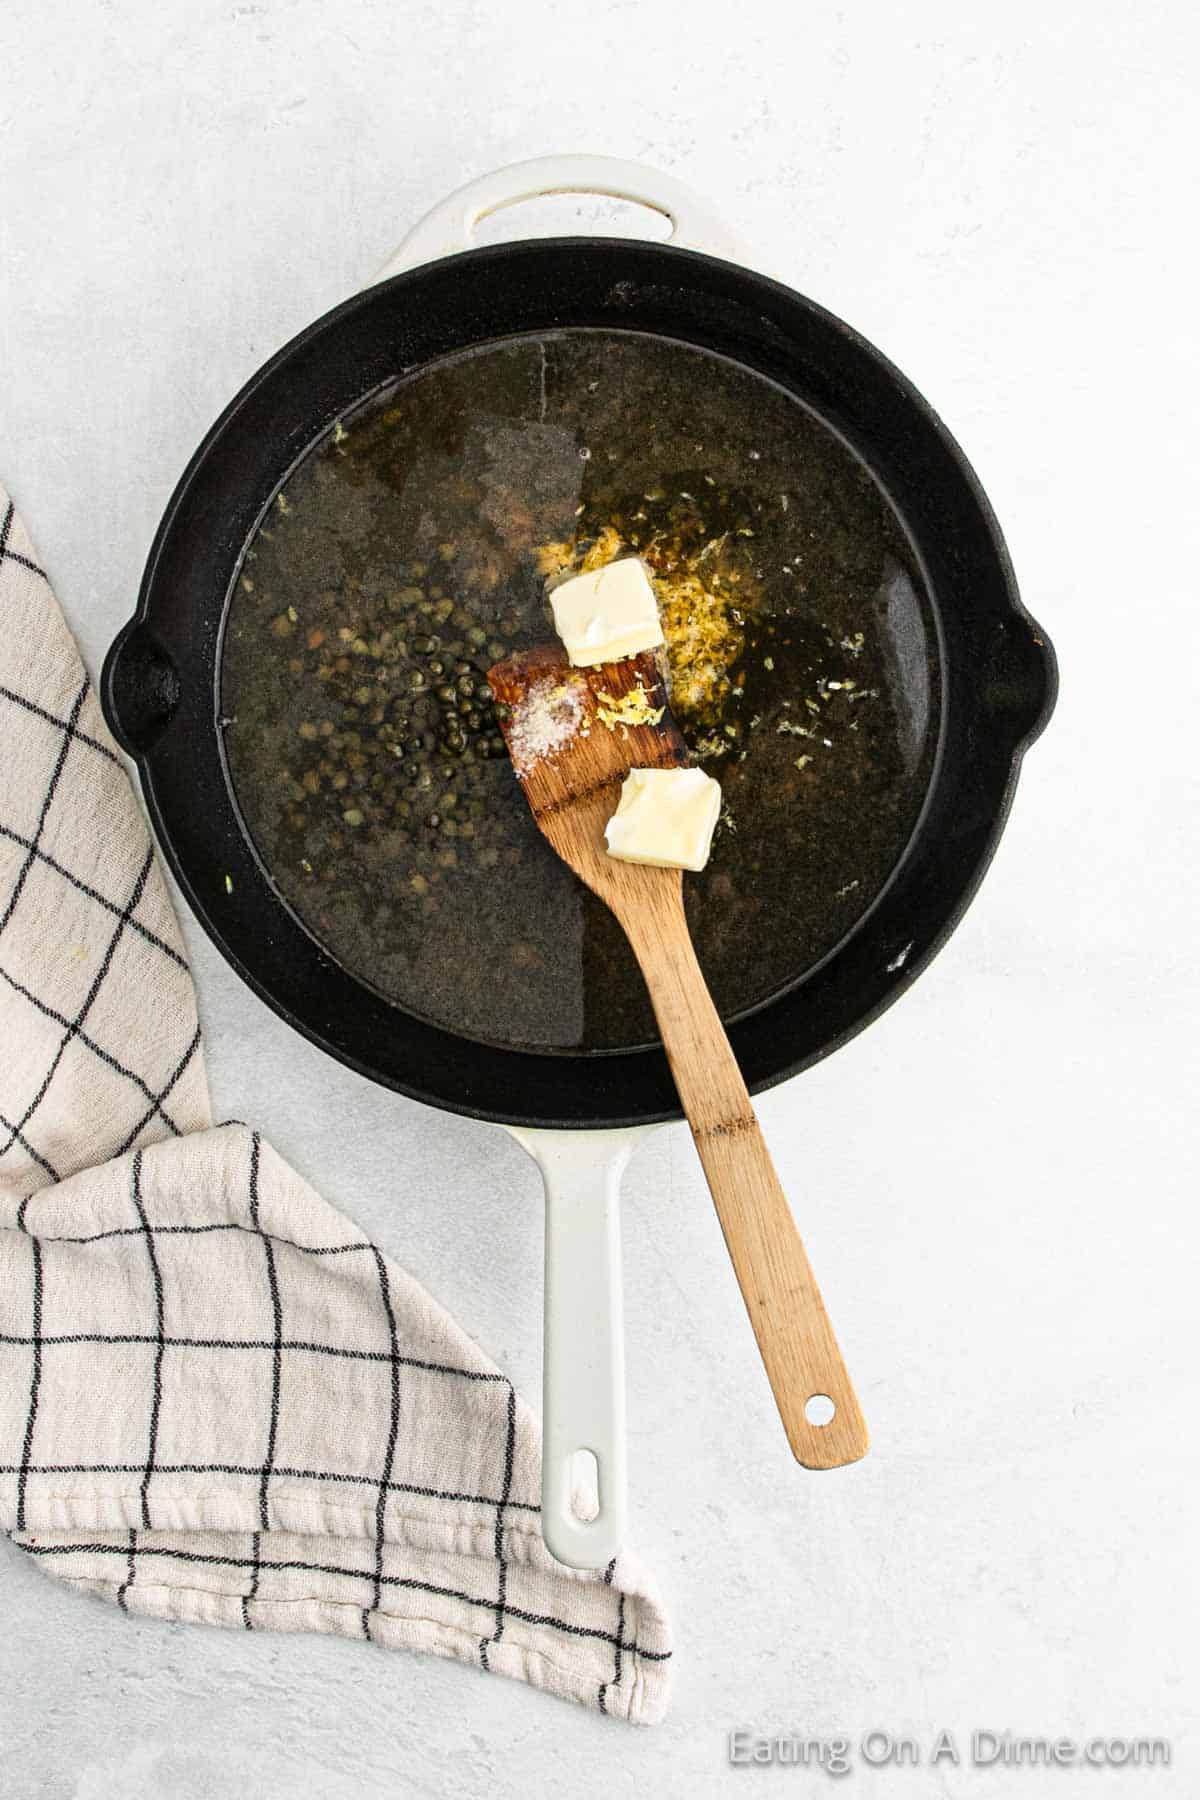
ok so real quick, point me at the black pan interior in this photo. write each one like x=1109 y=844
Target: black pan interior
x=160 y=684
x=410 y=549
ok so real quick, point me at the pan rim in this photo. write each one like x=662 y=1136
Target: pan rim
x=531 y=1068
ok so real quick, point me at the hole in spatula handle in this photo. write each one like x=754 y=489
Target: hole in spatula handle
x=819 y=1409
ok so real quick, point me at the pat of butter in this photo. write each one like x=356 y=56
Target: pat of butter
x=666 y=818
x=608 y=614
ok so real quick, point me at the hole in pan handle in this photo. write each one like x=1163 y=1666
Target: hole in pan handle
x=448 y=228
x=583 y=1354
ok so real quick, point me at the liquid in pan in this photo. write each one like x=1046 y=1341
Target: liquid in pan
x=410 y=548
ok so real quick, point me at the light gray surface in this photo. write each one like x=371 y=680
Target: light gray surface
x=997 y=1182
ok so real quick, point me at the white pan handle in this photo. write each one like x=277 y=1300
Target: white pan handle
x=449 y=227
x=583 y=1355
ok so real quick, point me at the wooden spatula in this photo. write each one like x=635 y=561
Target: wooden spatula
x=573 y=735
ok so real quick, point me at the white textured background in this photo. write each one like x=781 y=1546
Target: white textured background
x=997 y=1182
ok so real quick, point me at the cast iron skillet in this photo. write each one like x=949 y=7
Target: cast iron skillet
x=160 y=693
x=159 y=683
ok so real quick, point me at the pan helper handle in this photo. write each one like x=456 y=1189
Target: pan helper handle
x=450 y=226
x=583 y=1382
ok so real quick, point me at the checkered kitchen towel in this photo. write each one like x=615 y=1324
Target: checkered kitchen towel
x=218 y=1400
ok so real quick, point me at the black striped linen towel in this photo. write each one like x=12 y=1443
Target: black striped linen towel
x=219 y=1401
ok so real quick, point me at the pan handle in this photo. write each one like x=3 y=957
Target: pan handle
x=449 y=227
x=583 y=1354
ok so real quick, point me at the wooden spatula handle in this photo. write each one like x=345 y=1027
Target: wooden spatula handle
x=795 y=1338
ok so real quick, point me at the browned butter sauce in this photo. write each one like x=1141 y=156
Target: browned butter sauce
x=409 y=549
